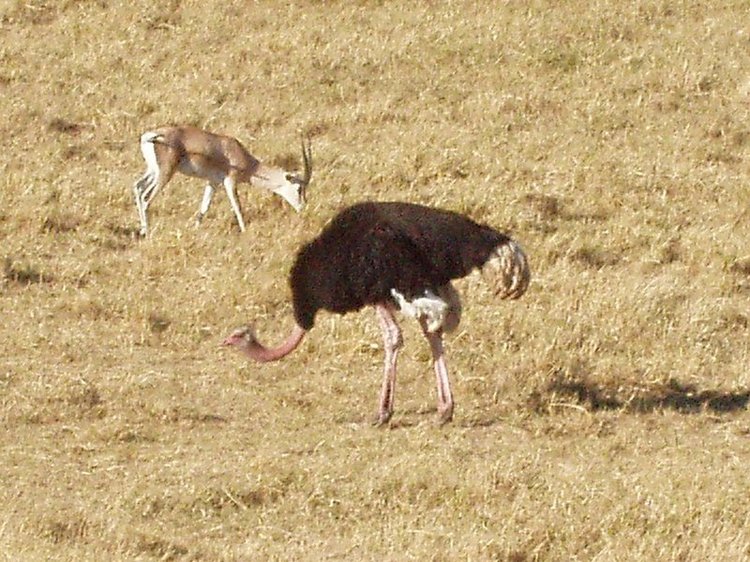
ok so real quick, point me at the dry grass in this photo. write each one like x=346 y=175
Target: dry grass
x=602 y=417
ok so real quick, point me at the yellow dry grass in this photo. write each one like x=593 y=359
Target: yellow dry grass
x=602 y=417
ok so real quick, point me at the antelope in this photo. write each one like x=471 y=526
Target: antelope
x=221 y=160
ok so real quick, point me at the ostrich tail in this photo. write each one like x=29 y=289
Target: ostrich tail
x=507 y=271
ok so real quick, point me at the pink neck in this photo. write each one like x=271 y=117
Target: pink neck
x=258 y=352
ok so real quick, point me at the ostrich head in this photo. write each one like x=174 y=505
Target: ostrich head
x=245 y=341
x=242 y=338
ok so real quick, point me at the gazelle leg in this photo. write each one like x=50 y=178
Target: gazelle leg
x=140 y=189
x=208 y=193
x=444 y=394
x=392 y=342
x=160 y=170
x=229 y=186
x=147 y=196
x=137 y=197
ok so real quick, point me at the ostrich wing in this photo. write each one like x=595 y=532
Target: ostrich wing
x=371 y=248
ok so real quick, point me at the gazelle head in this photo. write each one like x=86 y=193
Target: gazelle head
x=293 y=187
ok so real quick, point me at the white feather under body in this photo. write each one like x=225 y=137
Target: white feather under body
x=440 y=311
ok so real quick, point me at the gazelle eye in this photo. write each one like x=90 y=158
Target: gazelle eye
x=289 y=177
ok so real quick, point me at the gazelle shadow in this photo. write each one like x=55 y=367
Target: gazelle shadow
x=25 y=275
x=124 y=231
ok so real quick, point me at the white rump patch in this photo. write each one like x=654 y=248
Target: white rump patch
x=149 y=152
x=432 y=308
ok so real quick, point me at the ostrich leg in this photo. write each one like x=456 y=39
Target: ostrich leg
x=392 y=342
x=444 y=395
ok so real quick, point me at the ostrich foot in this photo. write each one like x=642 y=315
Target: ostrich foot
x=382 y=419
x=445 y=415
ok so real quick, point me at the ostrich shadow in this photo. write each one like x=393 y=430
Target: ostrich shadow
x=672 y=395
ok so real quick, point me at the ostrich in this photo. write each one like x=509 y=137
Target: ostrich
x=394 y=256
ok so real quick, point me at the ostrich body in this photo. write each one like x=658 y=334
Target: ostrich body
x=394 y=256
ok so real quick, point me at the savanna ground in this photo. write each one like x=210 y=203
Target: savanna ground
x=601 y=417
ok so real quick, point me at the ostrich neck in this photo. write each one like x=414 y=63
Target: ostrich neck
x=258 y=352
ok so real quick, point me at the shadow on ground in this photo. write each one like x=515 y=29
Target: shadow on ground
x=672 y=395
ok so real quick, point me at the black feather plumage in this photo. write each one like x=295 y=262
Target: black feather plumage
x=370 y=248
